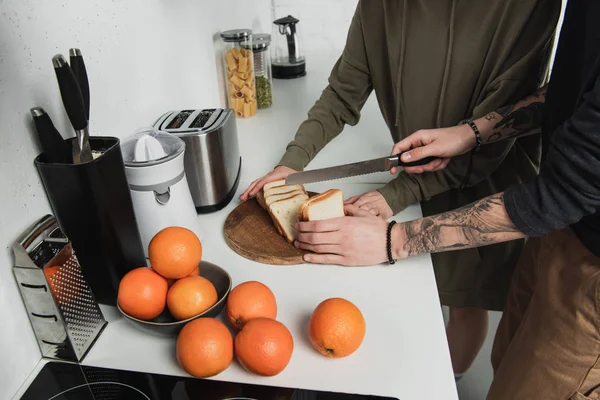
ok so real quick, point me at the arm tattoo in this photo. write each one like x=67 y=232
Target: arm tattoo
x=478 y=224
x=521 y=119
x=490 y=116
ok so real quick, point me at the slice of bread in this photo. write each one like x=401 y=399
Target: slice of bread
x=260 y=198
x=327 y=205
x=276 y=197
x=274 y=184
x=285 y=214
x=281 y=189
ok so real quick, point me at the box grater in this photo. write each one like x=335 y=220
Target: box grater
x=61 y=307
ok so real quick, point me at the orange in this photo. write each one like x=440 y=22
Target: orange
x=190 y=296
x=195 y=272
x=204 y=347
x=174 y=252
x=264 y=346
x=250 y=300
x=337 y=328
x=142 y=293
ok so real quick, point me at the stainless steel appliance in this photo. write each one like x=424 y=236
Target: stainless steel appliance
x=212 y=159
x=61 y=307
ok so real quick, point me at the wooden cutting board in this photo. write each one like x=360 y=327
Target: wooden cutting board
x=250 y=232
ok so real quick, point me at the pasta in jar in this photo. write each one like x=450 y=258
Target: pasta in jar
x=239 y=71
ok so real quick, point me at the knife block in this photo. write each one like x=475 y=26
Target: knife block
x=92 y=205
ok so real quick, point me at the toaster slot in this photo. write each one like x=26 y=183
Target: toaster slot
x=178 y=121
x=202 y=118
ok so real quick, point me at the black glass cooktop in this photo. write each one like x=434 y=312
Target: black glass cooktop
x=66 y=381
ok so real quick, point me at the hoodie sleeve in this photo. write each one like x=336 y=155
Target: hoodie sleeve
x=518 y=78
x=340 y=103
x=568 y=186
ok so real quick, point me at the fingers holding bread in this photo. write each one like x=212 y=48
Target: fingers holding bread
x=355 y=211
x=273 y=178
x=288 y=205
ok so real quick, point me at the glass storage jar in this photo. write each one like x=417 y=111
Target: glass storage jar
x=263 y=79
x=238 y=67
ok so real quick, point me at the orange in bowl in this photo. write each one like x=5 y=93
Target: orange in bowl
x=195 y=272
x=142 y=293
x=175 y=252
x=191 y=296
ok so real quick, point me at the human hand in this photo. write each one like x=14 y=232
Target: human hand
x=373 y=202
x=358 y=239
x=275 y=175
x=443 y=143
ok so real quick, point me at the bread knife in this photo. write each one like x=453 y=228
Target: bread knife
x=354 y=169
x=75 y=107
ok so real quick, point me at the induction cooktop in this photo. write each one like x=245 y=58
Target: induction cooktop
x=68 y=381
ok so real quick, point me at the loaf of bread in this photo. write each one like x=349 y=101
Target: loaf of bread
x=289 y=204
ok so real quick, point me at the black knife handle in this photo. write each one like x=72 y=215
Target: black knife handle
x=422 y=161
x=51 y=141
x=80 y=72
x=70 y=92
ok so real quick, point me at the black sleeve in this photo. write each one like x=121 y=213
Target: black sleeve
x=568 y=186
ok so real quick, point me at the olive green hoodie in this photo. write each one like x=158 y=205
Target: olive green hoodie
x=432 y=64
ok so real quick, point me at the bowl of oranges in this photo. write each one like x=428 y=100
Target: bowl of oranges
x=176 y=288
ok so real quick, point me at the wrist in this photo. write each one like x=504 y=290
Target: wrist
x=398 y=241
x=467 y=137
x=475 y=134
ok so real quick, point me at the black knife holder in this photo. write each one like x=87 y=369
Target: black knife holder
x=92 y=204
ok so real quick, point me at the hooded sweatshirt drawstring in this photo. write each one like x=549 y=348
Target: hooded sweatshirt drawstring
x=399 y=102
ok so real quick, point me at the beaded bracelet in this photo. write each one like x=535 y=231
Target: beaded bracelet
x=389 y=242
x=477 y=134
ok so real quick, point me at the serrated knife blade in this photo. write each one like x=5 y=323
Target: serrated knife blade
x=354 y=169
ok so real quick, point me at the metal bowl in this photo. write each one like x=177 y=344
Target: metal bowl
x=166 y=325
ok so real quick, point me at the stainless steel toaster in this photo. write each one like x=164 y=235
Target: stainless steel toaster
x=212 y=156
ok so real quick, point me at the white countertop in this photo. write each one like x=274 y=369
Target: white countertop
x=404 y=354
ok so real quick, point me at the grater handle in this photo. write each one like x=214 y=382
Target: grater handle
x=35 y=230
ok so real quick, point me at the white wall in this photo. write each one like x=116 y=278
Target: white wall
x=323 y=24
x=144 y=57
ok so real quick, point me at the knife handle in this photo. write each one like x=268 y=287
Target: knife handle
x=80 y=72
x=396 y=162
x=52 y=143
x=70 y=92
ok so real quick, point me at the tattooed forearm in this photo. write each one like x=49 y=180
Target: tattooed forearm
x=521 y=119
x=481 y=223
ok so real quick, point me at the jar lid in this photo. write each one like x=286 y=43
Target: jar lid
x=149 y=146
x=236 y=35
x=260 y=42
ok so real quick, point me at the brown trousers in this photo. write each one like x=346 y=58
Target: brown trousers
x=548 y=342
